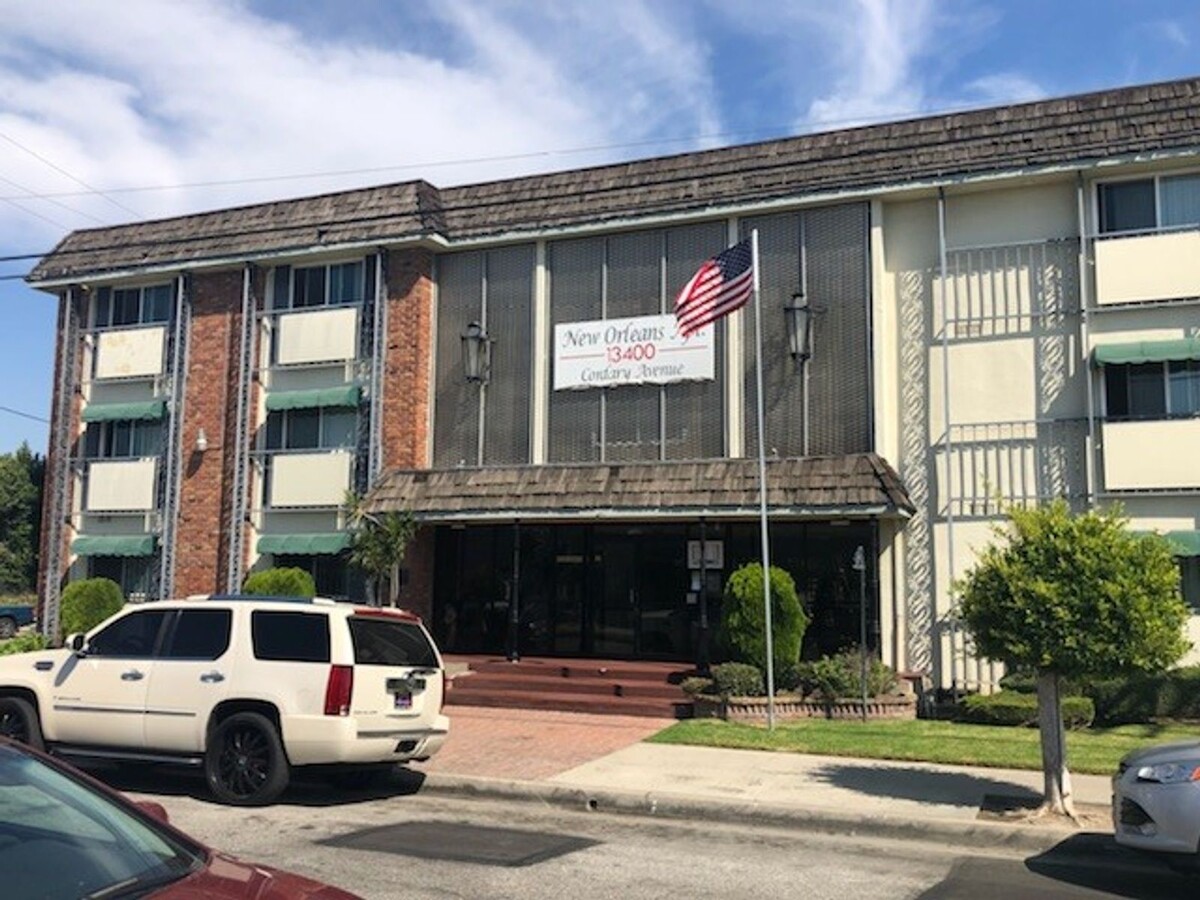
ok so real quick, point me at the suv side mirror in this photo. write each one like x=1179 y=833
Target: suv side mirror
x=77 y=643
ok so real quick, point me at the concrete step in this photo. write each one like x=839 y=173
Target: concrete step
x=585 y=669
x=523 y=682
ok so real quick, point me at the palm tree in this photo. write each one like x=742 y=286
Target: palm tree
x=378 y=543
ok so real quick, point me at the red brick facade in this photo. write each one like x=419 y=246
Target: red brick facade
x=210 y=402
x=406 y=380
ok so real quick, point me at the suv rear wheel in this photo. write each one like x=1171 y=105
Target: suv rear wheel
x=19 y=722
x=245 y=764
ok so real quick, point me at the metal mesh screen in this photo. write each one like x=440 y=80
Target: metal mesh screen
x=634 y=288
x=576 y=294
x=509 y=274
x=836 y=283
x=694 y=412
x=840 y=369
x=456 y=415
x=783 y=384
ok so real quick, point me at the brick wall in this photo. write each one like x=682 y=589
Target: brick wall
x=406 y=381
x=417 y=593
x=210 y=400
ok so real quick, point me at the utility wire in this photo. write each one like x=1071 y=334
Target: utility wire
x=24 y=415
x=62 y=171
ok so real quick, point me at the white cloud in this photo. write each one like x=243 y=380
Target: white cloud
x=150 y=93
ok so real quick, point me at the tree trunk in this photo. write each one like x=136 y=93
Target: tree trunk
x=1058 y=797
x=394 y=585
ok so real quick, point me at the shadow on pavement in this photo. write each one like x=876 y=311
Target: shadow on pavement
x=305 y=789
x=922 y=785
x=1097 y=863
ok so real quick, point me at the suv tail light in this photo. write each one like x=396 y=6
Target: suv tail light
x=338 y=690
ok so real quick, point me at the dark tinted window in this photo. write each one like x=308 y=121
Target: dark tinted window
x=1127 y=206
x=1136 y=392
x=382 y=642
x=134 y=635
x=200 y=634
x=290 y=636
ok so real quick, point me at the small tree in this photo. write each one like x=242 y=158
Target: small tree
x=378 y=543
x=1073 y=596
x=87 y=603
x=743 y=618
x=281 y=582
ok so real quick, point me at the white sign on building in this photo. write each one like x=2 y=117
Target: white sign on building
x=641 y=350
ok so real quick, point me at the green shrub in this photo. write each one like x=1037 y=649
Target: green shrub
x=738 y=680
x=743 y=627
x=87 y=603
x=697 y=685
x=23 y=643
x=1174 y=694
x=840 y=676
x=1021 y=709
x=282 y=582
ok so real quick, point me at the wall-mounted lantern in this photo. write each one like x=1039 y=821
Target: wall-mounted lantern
x=477 y=353
x=799 y=321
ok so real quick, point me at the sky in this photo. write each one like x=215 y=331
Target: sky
x=118 y=112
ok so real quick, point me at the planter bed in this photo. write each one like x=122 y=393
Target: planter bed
x=790 y=706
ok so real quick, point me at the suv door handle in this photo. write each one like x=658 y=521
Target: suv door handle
x=132 y=675
x=212 y=677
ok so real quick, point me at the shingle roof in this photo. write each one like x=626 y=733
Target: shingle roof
x=1064 y=131
x=856 y=485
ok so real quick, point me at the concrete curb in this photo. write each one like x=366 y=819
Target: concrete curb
x=989 y=835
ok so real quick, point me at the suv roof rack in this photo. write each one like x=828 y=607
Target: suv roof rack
x=261 y=598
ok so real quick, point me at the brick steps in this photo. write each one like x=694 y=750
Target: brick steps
x=572 y=685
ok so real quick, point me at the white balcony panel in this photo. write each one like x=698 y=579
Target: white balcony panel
x=1148 y=267
x=1150 y=455
x=324 y=335
x=130 y=352
x=310 y=479
x=121 y=485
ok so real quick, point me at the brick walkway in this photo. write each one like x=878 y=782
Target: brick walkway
x=532 y=745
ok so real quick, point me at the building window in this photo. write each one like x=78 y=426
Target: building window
x=124 y=307
x=331 y=574
x=132 y=573
x=312 y=429
x=1189 y=570
x=1153 y=390
x=339 y=284
x=122 y=440
x=1149 y=204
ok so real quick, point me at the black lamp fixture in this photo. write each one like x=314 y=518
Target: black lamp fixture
x=476 y=353
x=799 y=320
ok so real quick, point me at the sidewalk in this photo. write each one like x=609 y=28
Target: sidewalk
x=600 y=762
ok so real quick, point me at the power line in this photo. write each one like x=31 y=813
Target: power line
x=62 y=171
x=29 y=195
x=24 y=415
x=802 y=129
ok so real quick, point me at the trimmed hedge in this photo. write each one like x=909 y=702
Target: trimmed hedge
x=280 y=582
x=742 y=631
x=23 y=643
x=738 y=680
x=1135 y=700
x=1021 y=709
x=87 y=603
x=840 y=676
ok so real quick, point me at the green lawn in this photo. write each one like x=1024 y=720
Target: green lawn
x=1094 y=751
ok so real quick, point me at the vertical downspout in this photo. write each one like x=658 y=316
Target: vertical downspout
x=1083 y=339
x=483 y=316
x=948 y=441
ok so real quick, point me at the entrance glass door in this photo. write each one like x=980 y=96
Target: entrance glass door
x=614 y=608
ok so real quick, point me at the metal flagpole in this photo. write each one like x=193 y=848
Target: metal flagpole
x=762 y=485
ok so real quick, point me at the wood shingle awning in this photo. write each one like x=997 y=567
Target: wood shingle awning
x=855 y=486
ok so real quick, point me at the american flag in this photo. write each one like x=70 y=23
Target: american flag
x=720 y=286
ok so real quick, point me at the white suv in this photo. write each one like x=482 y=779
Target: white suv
x=246 y=687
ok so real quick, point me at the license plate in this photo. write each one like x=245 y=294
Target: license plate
x=403 y=699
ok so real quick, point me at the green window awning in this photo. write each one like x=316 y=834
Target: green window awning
x=113 y=545
x=1147 y=352
x=304 y=544
x=343 y=395
x=1184 y=543
x=122 y=412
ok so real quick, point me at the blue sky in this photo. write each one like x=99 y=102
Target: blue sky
x=113 y=112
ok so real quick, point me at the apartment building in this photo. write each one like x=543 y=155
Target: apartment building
x=959 y=313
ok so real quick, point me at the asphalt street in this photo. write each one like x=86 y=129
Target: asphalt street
x=397 y=843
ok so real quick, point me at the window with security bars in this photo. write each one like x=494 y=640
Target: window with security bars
x=823 y=254
x=484 y=424
x=623 y=276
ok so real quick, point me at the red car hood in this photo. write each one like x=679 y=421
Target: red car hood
x=226 y=878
